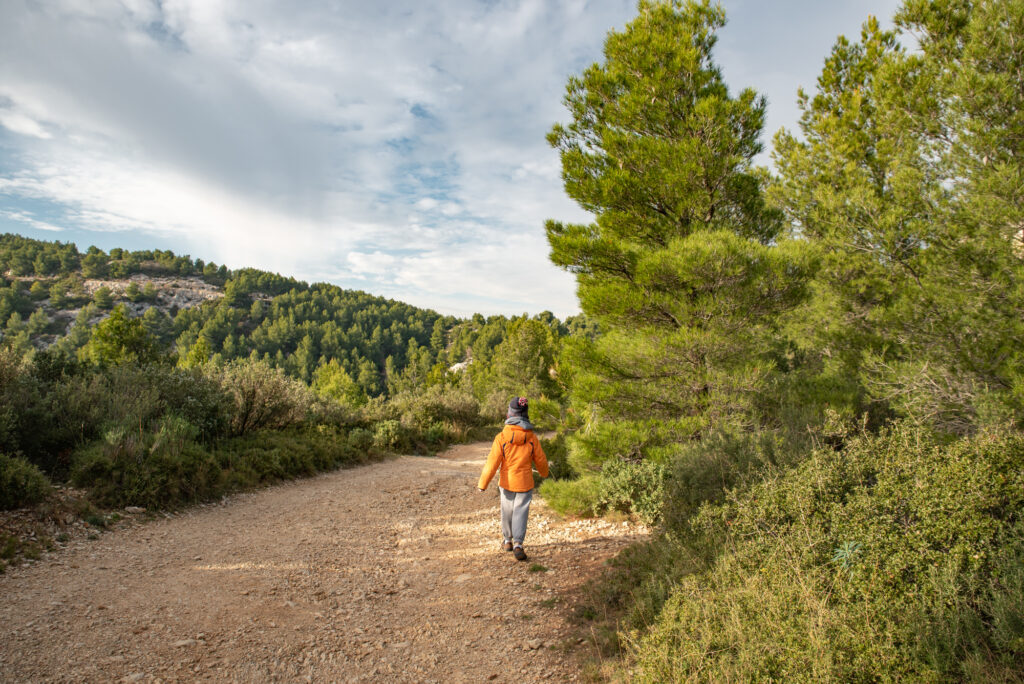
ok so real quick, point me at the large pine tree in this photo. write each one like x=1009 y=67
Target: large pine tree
x=681 y=266
x=908 y=177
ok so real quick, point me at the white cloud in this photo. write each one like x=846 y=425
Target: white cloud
x=376 y=263
x=400 y=144
x=17 y=122
x=26 y=217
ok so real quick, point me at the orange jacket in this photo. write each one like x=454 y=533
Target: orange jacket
x=515 y=450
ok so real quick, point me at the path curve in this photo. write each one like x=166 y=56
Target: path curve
x=385 y=573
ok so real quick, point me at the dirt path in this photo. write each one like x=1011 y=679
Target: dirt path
x=385 y=573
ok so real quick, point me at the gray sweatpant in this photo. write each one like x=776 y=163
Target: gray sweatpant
x=515 y=509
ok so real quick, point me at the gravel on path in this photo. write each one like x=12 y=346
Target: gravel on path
x=390 y=572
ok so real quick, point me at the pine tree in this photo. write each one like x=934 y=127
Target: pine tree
x=120 y=339
x=331 y=380
x=907 y=177
x=103 y=298
x=680 y=268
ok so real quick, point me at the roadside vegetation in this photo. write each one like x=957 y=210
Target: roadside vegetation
x=808 y=379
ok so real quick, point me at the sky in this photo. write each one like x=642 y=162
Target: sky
x=393 y=147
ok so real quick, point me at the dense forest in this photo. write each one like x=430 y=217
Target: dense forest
x=808 y=380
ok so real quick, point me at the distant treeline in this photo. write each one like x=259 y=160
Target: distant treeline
x=376 y=344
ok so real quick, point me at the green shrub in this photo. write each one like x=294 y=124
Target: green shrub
x=894 y=559
x=633 y=487
x=263 y=397
x=429 y=406
x=628 y=440
x=573 y=497
x=704 y=471
x=389 y=435
x=546 y=413
x=436 y=434
x=155 y=470
x=167 y=468
x=198 y=399
x=633 y=591
x=557 y=454
x=361 y=439
x=21 y=483
x=86 y=406
x=21 y=413
x=620 y=485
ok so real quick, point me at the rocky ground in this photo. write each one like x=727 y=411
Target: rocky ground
x=387 y=573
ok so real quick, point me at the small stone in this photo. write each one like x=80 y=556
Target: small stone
x=134 y=677
x=185 y=642
x=534 y=644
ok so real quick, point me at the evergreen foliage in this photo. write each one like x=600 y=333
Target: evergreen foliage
x=908 y=180
x=682 y=269
x=735 y=351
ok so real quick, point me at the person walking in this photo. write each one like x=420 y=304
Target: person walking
x=515 y=450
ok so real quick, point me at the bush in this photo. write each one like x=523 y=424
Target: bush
x=167 y=468
x=633 y=487
x=896 y=559
x=21 y=483
x=361 y=440
x=573 y=497
x=546 y=413
x=436 y=434
x=389 y=435
x=194 y=397
x=627 y=440
x=263 y=397
x=22 y=418
x=434 y=405
x=628 y=487
x=557 y=453
x=704 y=471
x=160 y=469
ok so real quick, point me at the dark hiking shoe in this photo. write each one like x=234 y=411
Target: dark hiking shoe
x=507 y=546
x=519 y=553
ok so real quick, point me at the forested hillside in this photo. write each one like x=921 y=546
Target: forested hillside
x=153 y=379
x=810 y=378
x=52 y=295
